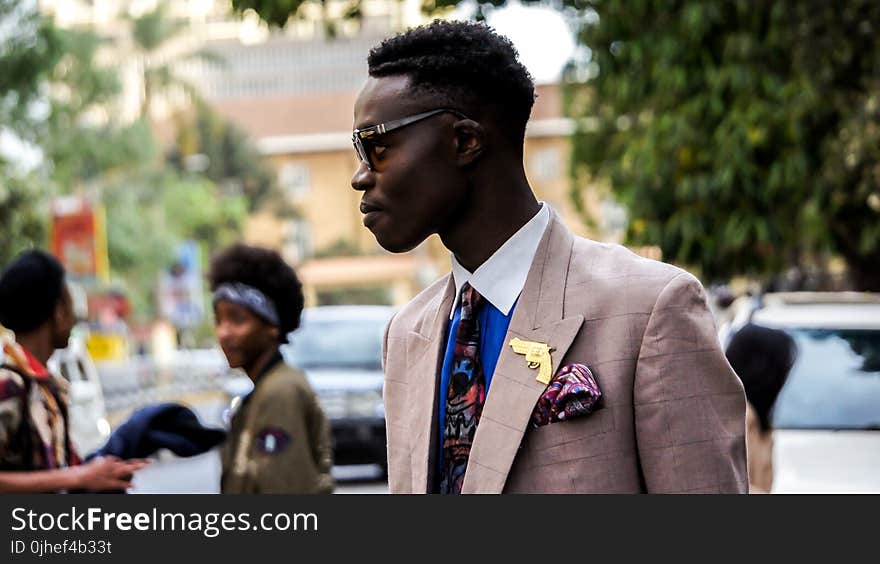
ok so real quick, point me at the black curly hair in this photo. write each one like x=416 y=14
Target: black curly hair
x=265 y=270
x=30 y=288
x=467 y=65
x=762 y=358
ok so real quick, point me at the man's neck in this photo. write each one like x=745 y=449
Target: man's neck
x=492 y=217
x=38 y=343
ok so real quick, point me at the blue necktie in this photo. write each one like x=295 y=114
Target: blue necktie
x=465 y=395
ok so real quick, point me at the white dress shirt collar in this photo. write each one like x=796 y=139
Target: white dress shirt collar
x=502 y=277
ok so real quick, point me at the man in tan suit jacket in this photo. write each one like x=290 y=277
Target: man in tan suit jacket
x=439 y=130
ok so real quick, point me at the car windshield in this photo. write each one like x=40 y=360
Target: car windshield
x=835 y=382
x=350 y=343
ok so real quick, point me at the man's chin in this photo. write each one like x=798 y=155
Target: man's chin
x=394 y=245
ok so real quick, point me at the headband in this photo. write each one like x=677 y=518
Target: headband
x=250 y=298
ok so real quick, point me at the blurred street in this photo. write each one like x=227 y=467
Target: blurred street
x=201 y=474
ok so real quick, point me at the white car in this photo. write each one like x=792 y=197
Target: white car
x=89 y=427
x=87 y=412
x=826 y=419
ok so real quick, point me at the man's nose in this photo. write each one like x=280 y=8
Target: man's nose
x=363 y=177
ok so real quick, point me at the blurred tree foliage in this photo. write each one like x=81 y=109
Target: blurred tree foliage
x=59 y=101
x=743 y=137
x=273 y=12
x=30 y=48
x=220 y=151
x=22 y=223
x=152 y=33
x=85 y=142
x=150 y=213
x=277 y=13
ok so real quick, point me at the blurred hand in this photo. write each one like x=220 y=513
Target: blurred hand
x=108 y=473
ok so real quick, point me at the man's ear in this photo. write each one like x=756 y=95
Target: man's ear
x=470 y=141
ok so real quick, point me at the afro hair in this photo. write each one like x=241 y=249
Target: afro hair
x=30 y=288
x=762 y=358
x=466 y=65
x=265 y=270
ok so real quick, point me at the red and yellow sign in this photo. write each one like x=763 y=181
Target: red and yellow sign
x=78 y=238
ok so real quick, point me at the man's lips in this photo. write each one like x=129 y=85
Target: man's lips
x=371 y=213
x=368 y=207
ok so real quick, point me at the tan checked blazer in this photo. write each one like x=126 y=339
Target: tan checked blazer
x=673 y=418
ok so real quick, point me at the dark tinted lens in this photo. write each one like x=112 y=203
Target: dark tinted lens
x=361 y=150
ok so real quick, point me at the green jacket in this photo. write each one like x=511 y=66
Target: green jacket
x=279 y=440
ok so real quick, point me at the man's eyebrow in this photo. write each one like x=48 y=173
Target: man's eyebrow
x=364 y=124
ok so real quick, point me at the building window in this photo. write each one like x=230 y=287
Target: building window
x=295 y=180
x=298 y=240
x=546 y=164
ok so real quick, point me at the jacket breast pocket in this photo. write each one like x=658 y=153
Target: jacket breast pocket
x=569 y=440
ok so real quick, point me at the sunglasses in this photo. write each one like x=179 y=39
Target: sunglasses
x=360 y=138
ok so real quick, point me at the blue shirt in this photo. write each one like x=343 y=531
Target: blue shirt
x=493 y=328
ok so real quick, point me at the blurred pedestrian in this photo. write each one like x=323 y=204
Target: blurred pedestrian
x=494 y=374
x=36 y=453
x=279 y=439
x=762 y=357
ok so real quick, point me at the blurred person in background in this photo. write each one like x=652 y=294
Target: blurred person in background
x=279 y=439
x=36 y=453
x=762 y=357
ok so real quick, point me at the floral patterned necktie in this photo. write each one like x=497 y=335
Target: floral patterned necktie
x=465 y=395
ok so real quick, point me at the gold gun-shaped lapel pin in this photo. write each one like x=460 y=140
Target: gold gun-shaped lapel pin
x=537 y=356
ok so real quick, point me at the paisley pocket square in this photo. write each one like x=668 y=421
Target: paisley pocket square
x=572 y=392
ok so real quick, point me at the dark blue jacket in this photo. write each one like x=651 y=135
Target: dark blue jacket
x=165 y=425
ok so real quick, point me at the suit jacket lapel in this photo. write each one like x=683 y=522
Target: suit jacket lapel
x=425 y=348
x=514 y=391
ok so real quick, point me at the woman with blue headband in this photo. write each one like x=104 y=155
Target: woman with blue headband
x=279 y=439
